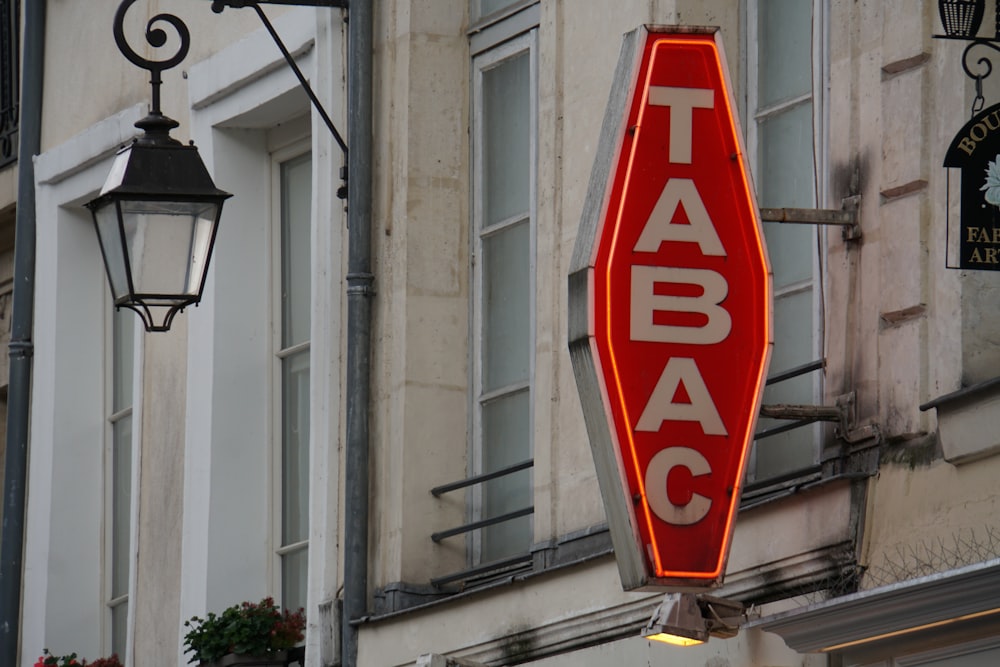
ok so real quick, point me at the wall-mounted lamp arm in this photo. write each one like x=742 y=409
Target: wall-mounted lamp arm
x=219 y=5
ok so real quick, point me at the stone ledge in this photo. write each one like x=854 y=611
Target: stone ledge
x=967 y=422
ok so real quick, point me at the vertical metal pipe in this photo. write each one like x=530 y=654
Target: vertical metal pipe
x=359 y=316
x=21 y=346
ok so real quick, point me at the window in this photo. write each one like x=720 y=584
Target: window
x=10 y=75
x=292 y=323
x=503 y=295
x=119 y=473
x=785 y=110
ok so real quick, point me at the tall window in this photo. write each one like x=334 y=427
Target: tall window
x=784 y=118
x=119 y=473
x=10 y=75
x=293 y=304
x=503 y=276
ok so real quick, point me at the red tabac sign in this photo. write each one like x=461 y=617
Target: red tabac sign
x=670 y=309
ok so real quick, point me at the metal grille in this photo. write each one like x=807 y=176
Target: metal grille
x=10 y=49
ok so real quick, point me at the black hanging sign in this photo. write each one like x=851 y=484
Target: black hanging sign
x=975 y=151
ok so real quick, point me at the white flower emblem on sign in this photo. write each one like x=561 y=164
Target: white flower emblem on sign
x=992 y=186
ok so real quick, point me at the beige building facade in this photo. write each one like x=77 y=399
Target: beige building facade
x=173 y=474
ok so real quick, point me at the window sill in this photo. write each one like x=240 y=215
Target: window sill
x=966 y=422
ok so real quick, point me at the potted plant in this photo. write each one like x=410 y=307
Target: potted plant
x=257 y=634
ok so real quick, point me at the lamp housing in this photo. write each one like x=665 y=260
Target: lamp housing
x=156 y=218
x=688 y=619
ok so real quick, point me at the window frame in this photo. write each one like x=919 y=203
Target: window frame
x=508 y=47
x=282 y=151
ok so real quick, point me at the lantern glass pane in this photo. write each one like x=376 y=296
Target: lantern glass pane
x=106 y=220
x=168 y=244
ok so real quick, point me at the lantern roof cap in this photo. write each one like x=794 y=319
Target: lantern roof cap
x=157 y=166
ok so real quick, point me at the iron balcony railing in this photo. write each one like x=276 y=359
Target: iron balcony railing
x=495 y=567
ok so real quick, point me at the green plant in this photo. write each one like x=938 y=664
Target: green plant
x=257 y=629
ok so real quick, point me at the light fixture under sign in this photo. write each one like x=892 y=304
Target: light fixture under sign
x=687 y=619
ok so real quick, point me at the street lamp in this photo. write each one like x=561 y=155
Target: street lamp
x=158 y=212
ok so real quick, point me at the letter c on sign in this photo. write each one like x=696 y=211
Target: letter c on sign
x=657 y=473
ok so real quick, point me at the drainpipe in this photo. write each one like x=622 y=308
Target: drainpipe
x=359 y=317
x=21 y=346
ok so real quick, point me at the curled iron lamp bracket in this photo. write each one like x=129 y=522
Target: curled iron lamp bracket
x=155 y=37
x=984 y=67
x=219 y=5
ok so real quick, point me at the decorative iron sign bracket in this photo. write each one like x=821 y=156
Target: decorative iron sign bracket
x=961 y=20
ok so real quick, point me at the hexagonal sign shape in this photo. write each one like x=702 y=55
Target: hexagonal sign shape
x=670 y=310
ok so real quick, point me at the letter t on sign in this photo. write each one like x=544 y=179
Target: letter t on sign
x=682 y=102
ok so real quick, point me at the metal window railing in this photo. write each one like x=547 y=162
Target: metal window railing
x=10 y=52
x=492 y=567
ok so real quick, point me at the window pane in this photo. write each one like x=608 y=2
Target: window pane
x=507 y=440
x=790 y=250
x=793 y=317
x=506 y=139
x=785 y=453
x=792 y=450
x=121 y=502
x=296 y=214
x=119 y=629
x=295 y=448
x=294 y=567
x=487 y=7
x=506 y=306
x=786 y=159
x=784 y=33
x=123 y=334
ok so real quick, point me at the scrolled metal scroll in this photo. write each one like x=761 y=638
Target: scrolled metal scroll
x=155 y=37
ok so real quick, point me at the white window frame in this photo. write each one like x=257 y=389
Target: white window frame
x=483 y=61
x=818 y=98
x=283 y=150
